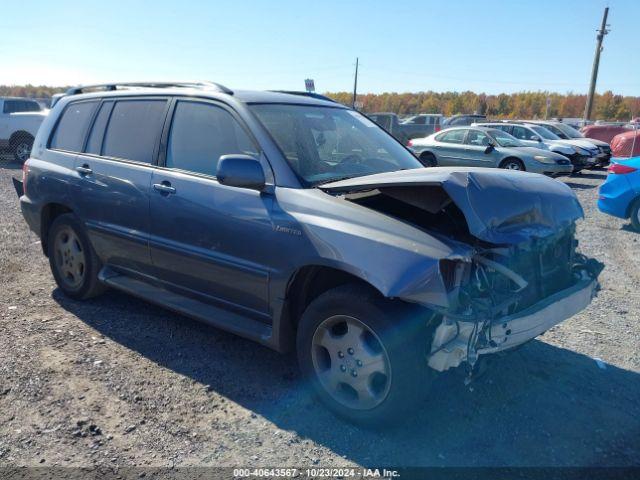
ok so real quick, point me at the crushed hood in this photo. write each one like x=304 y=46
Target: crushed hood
x=500 y=206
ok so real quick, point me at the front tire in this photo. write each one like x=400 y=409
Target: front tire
x=73 y=261
x=364 y=355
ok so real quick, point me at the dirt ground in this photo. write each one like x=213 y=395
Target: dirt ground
x=116 y=381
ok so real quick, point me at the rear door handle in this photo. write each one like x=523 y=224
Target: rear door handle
x=164 y=187
x=84 y=170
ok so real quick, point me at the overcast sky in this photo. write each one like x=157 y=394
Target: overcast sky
x=487 y=46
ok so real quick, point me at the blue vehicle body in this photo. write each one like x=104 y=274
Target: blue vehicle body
x=620 y=191
x=251 y=259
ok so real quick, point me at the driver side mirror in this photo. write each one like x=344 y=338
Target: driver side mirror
x=535 y=138
x=242 y=171
x=490 y=148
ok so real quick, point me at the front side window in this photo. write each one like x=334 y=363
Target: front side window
x=544 y=133
x=72 y=126
x=452 y=136
x=323 y=144
x=503 y=139
x=522 y=133
x=134 y=127
x=478 y=138
x=200 y=134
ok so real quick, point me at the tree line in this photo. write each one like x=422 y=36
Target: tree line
x=607 y=106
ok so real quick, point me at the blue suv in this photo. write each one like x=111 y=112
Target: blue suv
x=298 y=223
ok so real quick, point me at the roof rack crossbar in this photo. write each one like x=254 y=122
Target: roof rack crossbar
x=116 y=85
x=306 y=94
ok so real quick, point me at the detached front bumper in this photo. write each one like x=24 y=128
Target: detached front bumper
x=515 y=330
x=456 y=342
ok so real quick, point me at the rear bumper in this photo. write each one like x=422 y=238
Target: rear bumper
x=31 y=214
x=616 y=195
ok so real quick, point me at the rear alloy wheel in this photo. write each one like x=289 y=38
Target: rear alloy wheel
x=512 y=164
x=635 y=215
x=364 y=355
x=73 y=261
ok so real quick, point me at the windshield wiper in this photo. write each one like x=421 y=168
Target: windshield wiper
x=335 y=179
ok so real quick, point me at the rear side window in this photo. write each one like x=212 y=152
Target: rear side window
x=200 y=133
x=453 y=136
x=134 y=127
x=94 y=144
x=72 y=126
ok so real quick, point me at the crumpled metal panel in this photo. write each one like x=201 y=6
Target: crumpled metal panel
x=500 y=206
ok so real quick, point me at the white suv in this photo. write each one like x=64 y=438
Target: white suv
x=20 y=119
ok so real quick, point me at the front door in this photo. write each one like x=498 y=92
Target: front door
x=209 y=239
x=476 y=154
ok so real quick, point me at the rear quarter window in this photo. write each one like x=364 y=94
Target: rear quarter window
x=72 y=126
x=133 y=130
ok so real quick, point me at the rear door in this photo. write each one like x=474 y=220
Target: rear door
x=449 y=147
x=115 y=175
x=208 y=239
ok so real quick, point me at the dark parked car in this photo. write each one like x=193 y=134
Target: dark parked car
x=463 y=120
x=299 y=223
x=402 y=131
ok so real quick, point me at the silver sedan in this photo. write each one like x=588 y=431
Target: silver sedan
x=486 y=147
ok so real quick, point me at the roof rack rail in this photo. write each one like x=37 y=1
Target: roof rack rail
x=116 y=85
x=306 y=94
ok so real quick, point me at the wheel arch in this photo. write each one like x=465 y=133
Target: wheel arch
x=305 y=285
x=512 y=157
x=48 y=214
x=17 y=135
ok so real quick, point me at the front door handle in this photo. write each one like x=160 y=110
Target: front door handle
x=164 y=187
x=84 y=170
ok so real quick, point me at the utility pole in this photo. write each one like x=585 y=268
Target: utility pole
x=355 y=86
x=596 y=63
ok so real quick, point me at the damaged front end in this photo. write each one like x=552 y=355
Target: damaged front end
x=524 y=274
x=506 y=296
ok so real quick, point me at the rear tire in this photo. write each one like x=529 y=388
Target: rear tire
x=21 y=147
x=73 y=261
x=428 y=159
x=513 y=164
x=364 y=355
x=635 y=215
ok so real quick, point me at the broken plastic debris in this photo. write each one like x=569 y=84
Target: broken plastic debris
x=12 y=307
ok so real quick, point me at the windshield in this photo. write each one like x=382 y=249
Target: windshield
x=504 y=139
x=323 y=144
x=569 y=131
x=544 y=133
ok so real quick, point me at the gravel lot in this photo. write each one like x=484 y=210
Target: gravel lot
x=115 y=381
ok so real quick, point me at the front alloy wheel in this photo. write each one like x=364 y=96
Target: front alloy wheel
x=351 y=362
x=364 y=355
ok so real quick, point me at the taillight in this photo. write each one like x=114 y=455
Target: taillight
x=438 y=128
x=410 y=143
x=620 y=169
x=25 y=174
